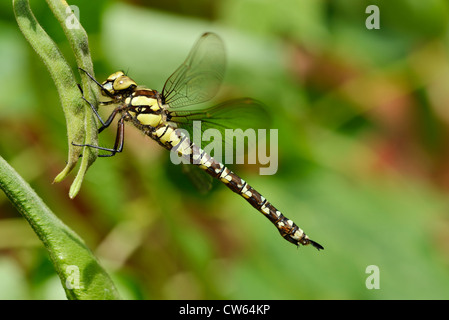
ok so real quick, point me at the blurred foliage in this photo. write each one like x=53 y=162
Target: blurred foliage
x=363 y=153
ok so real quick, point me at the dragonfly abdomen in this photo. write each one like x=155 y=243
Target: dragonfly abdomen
x=286 y=227
x=175 y=141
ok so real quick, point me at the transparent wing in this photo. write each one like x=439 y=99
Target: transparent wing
x=199 y=77
x=199 y=178
x=239 y=115
x=190 y=179
x=243 y=113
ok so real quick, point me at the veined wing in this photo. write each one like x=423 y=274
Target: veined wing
x=199 y=178
x=234 y=114
x=199 y=77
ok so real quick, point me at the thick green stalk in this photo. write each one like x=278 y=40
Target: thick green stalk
x=81 y=275
x=81 y=127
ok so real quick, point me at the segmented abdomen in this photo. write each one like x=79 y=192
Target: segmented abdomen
x=176 y=141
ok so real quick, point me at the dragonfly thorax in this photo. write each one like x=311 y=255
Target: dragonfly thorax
x=145 y=108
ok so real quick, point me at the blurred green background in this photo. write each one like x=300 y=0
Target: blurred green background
x=363 y=119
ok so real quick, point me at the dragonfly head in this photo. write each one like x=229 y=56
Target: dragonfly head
x=118 y=86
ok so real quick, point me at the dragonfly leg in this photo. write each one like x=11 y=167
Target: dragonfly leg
x=118 y=145
x=108 y=121
x=97 y=83
x=104 y=124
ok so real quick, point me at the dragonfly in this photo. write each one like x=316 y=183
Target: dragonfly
x=162 y=116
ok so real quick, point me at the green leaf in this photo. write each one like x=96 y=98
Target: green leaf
x=81 y=126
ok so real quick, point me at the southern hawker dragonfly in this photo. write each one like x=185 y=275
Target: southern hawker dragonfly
x=161 y=116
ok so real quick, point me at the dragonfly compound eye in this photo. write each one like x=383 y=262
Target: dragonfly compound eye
x=107 y=88
x=123 y=83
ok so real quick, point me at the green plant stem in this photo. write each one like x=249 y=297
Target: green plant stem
x=81 y=275
x=81 y=126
